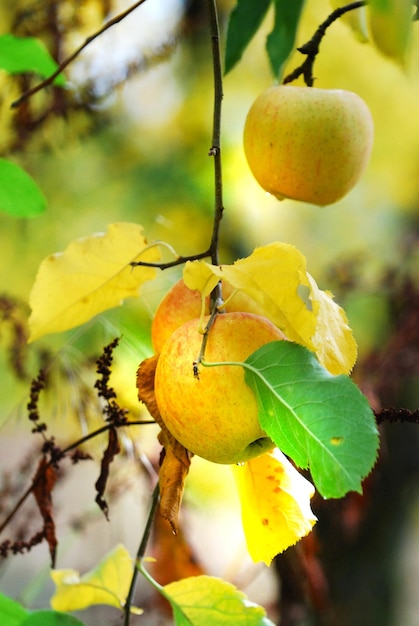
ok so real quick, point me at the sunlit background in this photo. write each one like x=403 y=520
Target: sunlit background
x=133 y=146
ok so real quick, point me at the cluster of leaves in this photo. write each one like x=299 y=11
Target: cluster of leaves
x=289 y=382
x=110 y=581
x=275 y=514
x=389 y=26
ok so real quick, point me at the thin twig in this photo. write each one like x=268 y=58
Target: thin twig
x=215 y=150
x=17 y=506
x=103 y=429
x=115 y=20
x=311 y=48
x=141 y=552
x=72 y=446
x=180 y=260
x=401 y=415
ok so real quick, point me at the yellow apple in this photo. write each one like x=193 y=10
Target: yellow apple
x=308 y=144
x=215 y=415
x=181 y=304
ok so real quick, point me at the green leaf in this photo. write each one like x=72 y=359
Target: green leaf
x=391 y=26
x=280 y=41
x=205 y=601
x=245 y=19
x=356 y=20
x=319 y=420
x=11 y=612
x=20 y=196
x=27 y=54
x=51 y=618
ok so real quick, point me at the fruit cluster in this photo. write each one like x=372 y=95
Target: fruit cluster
x=302 y=143
x=214 y=414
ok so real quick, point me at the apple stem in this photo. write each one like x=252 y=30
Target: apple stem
x=201 y=355
x=311 y=47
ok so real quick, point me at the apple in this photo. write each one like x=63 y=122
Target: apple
x=181 y=304
x=308 y=144
x=214 y=415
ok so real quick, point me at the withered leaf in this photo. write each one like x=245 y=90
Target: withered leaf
x=173 y=472
x=145 y=385
x=42 y=485
x=176 y=459
x=111 y=451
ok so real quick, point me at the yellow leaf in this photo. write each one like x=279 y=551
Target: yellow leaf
x=92 y=275
x=333 y=341
x=108 y=583
x=271 y=276
x=275 y=501
x=276 y=278
x=202 y=278
x=209 y=601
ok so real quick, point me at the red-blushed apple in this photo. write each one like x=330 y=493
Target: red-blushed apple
x=214 y=415
x=308 y=144
x=181 y=304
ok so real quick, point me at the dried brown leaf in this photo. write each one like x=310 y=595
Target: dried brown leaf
x=111 y=451
x=173 y=472
x=42 y=486
x=145 y=385
x=176 y=459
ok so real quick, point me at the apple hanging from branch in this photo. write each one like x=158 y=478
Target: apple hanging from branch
x=308 y=144
x=214 y=415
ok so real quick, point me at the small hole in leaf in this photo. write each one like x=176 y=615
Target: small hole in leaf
x=304 y=292
x=336 y=441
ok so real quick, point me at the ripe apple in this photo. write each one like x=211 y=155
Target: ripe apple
x=308 y=144
x=214 y=415
x=181 y=304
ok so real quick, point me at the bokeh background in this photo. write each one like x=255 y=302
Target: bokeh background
x=128 y=141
